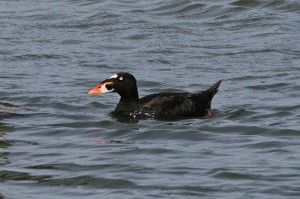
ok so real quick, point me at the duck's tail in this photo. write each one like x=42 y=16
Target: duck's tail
x=214 y=89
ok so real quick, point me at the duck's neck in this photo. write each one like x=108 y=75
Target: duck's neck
x=129 y=96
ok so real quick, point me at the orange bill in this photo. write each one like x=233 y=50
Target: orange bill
x=102 y=88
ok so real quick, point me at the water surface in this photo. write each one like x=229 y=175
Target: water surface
x=58 y=142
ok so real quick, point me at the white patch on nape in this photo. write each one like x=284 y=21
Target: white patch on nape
x=114 y=76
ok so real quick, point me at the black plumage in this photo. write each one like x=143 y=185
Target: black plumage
x=165 y=106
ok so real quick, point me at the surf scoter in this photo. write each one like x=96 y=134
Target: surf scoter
x=164 y=106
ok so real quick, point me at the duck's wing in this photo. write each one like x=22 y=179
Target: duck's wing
x=169 y=105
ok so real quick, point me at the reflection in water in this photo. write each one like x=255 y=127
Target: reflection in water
x=20 y=176
x=6 y=111
x=5 y=128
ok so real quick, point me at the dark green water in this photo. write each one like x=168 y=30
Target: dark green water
x=58 y=142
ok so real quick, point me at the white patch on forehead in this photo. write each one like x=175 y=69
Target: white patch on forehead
x=114 y=76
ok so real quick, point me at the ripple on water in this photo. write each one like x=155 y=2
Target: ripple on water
x=90 y=181
x=20 y=176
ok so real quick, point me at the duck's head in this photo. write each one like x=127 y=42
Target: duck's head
x=122 y=83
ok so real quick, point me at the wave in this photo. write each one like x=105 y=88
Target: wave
x=186 y=9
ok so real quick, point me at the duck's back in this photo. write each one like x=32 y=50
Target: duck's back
x=175 y=105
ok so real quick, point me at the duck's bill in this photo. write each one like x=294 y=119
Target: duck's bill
x=101 y=88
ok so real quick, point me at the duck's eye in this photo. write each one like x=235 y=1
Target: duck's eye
x=121 y=78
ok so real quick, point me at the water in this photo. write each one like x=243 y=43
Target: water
x=58 y=142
